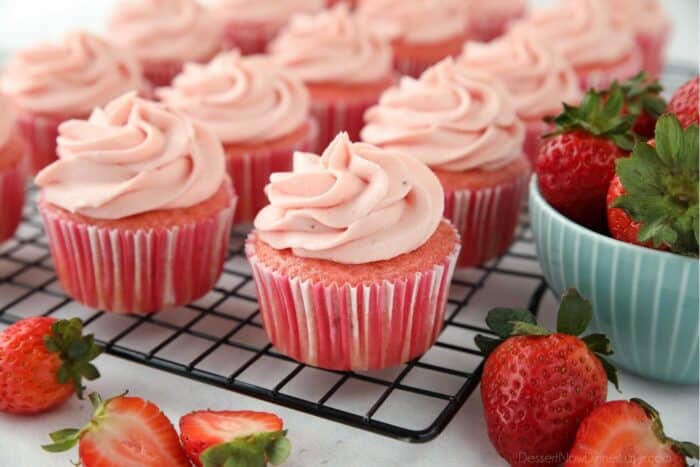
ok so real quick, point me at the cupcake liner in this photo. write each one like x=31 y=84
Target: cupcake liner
x=534 y=131
x=653 y=47
x=11 y=200
x=488 y=28
x=352 y=328
x=602 y=78
x=39 y=134
x=486 y=219
x=248 y=39
x=412 y=66
x=138 y=271
x=250 y=172
x=334 y=117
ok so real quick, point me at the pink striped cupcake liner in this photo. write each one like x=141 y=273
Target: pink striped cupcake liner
x=39 y=134
x=486 y=219
x=250 y=172
x=11 y=200
x=412 y=66
x=249 y=39
x=336 y=116
x=352 y=328
x=602 y=78
x=653 y=47
x=138 y=271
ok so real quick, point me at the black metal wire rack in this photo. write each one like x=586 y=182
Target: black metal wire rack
x=219 y=339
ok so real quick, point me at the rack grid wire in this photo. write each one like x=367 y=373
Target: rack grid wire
x=219 y=339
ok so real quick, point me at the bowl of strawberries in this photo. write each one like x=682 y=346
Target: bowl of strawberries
x=614 y=211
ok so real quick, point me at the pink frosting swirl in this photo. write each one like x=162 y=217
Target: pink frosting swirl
x=451 y=119
x=242 y=99
x=643 y=16
x=538 y=78
x=166 y=30
x=133 y=156
x=6 y=121
x=502 y=8
x=273 y=13
x=353 y=205
x=416 y=21
x=332 y=46
x=584 y=32
x=70 y=78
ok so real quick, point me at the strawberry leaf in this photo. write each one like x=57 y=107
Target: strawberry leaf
x=526 y=329
x=254 y=450
x=599 y=344
x=641 y=95
x=610 y=371
x=486 y=344
x=575 y=313
x=500 y=320
x=278 y=451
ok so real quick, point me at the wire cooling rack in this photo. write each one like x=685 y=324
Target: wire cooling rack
x=219 y=339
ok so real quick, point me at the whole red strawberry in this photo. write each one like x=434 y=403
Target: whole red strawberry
x=684 y=103
x=537 y=386
x=42 y=363
x=577 y=161
x=627 y=433
x=643 y=101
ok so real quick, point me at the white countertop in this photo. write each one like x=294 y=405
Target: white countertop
x=317 y=442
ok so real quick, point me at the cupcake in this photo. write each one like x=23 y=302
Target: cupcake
x=464 y=126
x=137 y=209
x=538 y=78
x=12 y=173
x=423 y=32
x=344 y=66
x=651 y=25
x=250 y=25
x=50 y=83
x=259 y=111
x=352 y=259
x=332 y=3
x=600 y=49
x=164 y=34
x=491 y=18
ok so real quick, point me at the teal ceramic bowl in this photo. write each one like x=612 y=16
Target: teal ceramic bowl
x=646 y=301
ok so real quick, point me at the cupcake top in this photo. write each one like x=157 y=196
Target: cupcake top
x=451 y=119
x=132 y=157
x=584 y=32
x=69 y=78
x=645 y=16
x=273 y=13
x=416 y=21
x=355 y=204
x=165 y=30
x=6 y=121
x=332 y=47
x=242 y=99
x=538 y=78
x=484 y=8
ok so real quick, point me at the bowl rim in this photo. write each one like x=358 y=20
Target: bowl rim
x=537 y=197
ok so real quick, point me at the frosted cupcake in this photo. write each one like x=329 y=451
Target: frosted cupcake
x=600 y=49
x=344 y=66
x=164 y=34
x=351 y=3
x=12 y=173
x=352 y=259
x=538 y=78
x=52 y=82
x=260 y=112
x=250 y=25
x=423 y=32
x=137 y=209
x=464 y=126
x=489 y=19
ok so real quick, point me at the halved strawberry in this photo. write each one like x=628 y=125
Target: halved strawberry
x=627 y=433
x=124 y=432
x=213 y=438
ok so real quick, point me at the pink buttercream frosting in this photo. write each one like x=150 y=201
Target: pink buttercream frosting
x=6 y=121
x=272 y=13
x=451 y=119
x=584 y=32
x=537 y=76
x=70 y=78
x=502 y=8
x=332 y=47
x=133 y=156
x=416 y=21
x=166 y=30
x=643 y=16
x=242 y=99
x=355 y=204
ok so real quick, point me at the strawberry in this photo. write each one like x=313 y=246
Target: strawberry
x=684 y=103
x=242 y=438
x=653 y=201
x=577 y=161
x=643 y=101
x=537 y=386
x=43 y=362
x=124 y=432
x=627 y=433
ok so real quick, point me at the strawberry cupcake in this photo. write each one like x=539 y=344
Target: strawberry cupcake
x=138 y=208
x=538 y=78
x=490 y=19
x=464 y=126
x=422 y=32
x=52 y=82
x=583 y=31
x=250 y=25
x=164 y=34
x=12 y=173
x=259 y=111
x=344 y=66
x=352 y=259
x=332 y=3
